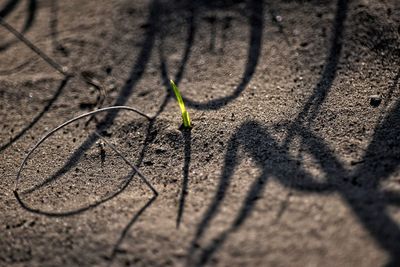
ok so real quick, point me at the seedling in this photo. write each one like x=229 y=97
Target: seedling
x=185 y=114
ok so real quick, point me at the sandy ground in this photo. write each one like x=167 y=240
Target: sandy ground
x=293 y=159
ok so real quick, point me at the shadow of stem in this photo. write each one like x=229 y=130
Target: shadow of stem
x=187 y=135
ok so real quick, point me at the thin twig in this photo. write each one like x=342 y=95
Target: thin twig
x=71 y=121
x=34 y=48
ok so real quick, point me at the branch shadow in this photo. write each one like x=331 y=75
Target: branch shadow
x=273 y=159
x=256 y=23
x=360 y=188
x=129 y=225
x=39 y=115
x=126 y=229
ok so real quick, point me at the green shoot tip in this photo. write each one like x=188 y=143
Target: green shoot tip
x=185 y=114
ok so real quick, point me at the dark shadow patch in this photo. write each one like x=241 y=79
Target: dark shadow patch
x=187 y=136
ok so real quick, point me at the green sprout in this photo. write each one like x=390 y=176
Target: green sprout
x=185 y=114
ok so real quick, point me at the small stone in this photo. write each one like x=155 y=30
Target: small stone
x=375 y=100
x=65 y=70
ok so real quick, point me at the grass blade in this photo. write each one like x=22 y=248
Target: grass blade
x=185 y=114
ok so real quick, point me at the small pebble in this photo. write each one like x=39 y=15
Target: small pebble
x=375 y=100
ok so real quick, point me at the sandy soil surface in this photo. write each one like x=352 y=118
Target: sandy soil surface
x=293 y=159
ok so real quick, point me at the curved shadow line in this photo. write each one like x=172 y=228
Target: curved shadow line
x=364 y=201
x=254 y=51
x=40 y=115
x=247 y=135
x=363 y=196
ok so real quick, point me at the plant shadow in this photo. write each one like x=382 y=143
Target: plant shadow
x=187 y=136
x=256 y=24
x=360 y=187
